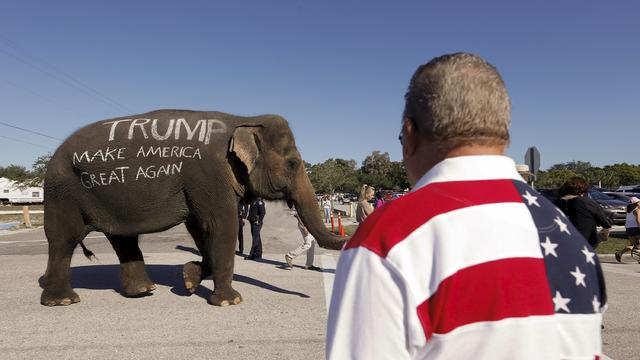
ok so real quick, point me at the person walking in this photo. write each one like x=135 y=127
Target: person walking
x=585 y=214
x=242 y=214
x=308 y=246
x=472 y=263
x=364 y=207
x=632 y=227
x=256 y=216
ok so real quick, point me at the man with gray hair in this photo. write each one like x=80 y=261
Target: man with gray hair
x=473 y=263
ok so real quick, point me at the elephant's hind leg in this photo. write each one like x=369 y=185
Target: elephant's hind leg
x=64 y=232
x=56 y=286
x=135 y=281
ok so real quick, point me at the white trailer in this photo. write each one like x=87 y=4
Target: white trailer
x=12 y=193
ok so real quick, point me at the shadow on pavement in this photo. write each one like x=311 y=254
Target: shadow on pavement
x=106 y=277
x=188 y=249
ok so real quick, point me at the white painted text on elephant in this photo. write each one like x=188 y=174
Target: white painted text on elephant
x=139 y=127
x=152 y=171
x=91 y=180
x=170 y=151
x=101 y=155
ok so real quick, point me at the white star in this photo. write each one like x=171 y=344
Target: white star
x=562 y=225
x=579 y=277
x=531 y=199
x=588 y=255
x=549 y=247
x=560 y=302
x=596 y=304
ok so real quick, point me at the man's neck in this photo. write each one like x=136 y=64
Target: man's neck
x=430 y=156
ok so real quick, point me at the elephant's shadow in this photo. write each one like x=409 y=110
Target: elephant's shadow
x=106 y=277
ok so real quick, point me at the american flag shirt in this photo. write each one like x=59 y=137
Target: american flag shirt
x=472 y=264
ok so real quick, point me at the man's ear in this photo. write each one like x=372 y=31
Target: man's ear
x=410 y=137
x=245 y=144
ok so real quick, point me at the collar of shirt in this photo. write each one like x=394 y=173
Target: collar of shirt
x=464 y=168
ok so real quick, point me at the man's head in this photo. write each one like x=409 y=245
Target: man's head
x=455 y=105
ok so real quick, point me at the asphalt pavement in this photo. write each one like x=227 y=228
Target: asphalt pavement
x=282 y=316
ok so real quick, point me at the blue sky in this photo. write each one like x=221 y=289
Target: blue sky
x=337 y=70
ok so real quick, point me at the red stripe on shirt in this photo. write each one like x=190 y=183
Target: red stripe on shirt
x=390 y=224
x=496 y=290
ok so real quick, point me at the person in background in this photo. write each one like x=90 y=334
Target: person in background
x=632 y=226
x=256 y=216
x=326 y=205
x=308 y=246
x=472 y=263
x=364 y=207
x=242 y=214
x=585 y=214
x=379 y=200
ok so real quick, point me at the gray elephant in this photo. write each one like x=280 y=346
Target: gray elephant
x=147 y=173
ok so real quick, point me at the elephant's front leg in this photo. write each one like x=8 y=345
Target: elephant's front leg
x=221 y=252
x=135 y=281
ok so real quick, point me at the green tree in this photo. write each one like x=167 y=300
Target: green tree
x=625 y=174
x=334 y=175
x=554 y=177
x=38 y=170
x=578 y=167
x=376 y=170
x=14 y=172
x=399 y=176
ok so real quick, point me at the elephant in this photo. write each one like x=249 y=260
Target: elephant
x=146 y=173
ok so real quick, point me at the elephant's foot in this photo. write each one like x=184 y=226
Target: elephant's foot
x=193 y=274
x=225 y=298
x=59 y=297
x=135 y=281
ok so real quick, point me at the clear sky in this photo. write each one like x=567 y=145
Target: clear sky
x=337 y=70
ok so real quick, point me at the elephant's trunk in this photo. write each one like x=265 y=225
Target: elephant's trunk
x=309 y=212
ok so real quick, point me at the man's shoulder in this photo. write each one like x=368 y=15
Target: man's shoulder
x=395 y=220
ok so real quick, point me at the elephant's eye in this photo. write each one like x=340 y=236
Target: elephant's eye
x=292 y=164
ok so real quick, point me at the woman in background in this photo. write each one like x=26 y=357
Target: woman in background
x=585 y=214
x=364 y=207
x=632 y=226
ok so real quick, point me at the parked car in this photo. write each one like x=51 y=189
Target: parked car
x=629 y=189
x=615 y=209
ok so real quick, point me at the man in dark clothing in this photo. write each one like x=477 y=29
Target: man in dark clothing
x=242 y=214
x=256 y=215
x=584 y=213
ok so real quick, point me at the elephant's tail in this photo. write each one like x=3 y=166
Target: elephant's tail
x=88 y=253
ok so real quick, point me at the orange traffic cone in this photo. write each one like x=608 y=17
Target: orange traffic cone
x=339 y=222
x=341 y=231
x=332 y=226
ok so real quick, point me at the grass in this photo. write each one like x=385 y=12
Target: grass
x=612 y=245
x=36 y=219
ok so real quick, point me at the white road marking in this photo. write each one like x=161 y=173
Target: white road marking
x=44 y=241
x=328 y=263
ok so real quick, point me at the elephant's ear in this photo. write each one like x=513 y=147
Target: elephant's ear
x=245 y=144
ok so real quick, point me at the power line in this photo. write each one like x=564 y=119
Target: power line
x=65 y=78
x=29 y=131
x=25 y=142
x=35 y=93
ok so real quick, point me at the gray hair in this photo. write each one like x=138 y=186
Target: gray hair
x=459 y=99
